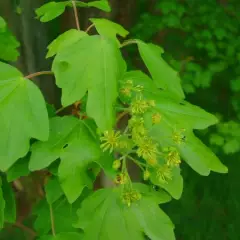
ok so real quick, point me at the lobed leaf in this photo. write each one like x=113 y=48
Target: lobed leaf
x=23 y=115
x=163 y=75
x=92 y=64
x=104 y=212
x=108 y=28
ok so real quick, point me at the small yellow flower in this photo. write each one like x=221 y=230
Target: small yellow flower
x=173 y=158
x=139 y=106
x=146 y=175
x=121 y=179
x=130 y=197
x=110 y=140
x=152 y=161
x=164 y=174
x=147 y=149
x=156 y=118
x=151 y=103
x=178 y=137
x=116 y=164
x=126 y=91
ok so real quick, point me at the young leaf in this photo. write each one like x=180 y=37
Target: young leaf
x=64 y=215
x=105 y=212
x=108 y=28
x=10 y=204
x=173 y=186
x=192 y=150
x=163 y=75
x=73 y=142
x=2 y=24
x=178 y=111
x=53 y=190
x=19 y=169
x=23 y=115
x=51 y=10
x=102 y=5
x=8 y=46
x=64 y=40
x=2 y=207
x=63 y=236
x=95 y=64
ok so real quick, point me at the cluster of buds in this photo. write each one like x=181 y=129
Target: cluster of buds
x=121 y=179
x=128 y=88
x=131 y=196
x=164 y=173
x=172 y=157
x=178 y=137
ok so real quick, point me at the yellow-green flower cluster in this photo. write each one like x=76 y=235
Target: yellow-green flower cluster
x=110 y=140
x=130 y=197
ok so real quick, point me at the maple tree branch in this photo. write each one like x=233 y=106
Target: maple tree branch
x=121 y=115
x=36 y=74
x=26 y=229
x=76 y=15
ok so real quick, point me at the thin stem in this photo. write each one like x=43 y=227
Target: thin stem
x=121 y=115
x=138 y=163
x=60 y=109
x=26 y=229
x=89 y=28
x=128 y=42
x=76 y=15
x=52 y=221
x=36 y=74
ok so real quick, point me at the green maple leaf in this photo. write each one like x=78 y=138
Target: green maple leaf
x=19 y=169
x=93 y=64
x=104 y=212
x=10 y=204
x=173 y=186
x=8 y=46
x=2 y=206
x=52 y=10
x=163 y=75
x=178 y=111
x=63 y=236
x=2 y=24
x=75 y=143
x=108 y=28
x=23 y=115
x=64 y=40
x=64 y=216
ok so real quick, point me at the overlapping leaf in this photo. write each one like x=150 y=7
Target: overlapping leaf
x=8 y=43
x=108 y=28
x=63 y=236
x=64 y=40
x=104 y=212
x=64 y=215
x=23 y=115
x=52 y=10
x=163 y=75
x=75 y=143
x=177 y=114
x=93 y=64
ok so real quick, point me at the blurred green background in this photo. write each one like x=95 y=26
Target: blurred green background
x=201 y=39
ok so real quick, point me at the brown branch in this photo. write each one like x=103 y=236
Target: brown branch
x=121 y=115
x=38 y=74
x=26 y=229
x=76 y=15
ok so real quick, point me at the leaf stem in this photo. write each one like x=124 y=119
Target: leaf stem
x=36 y=74
x=52 y=221
x=128 y=42
x=76 y=15
x=89 y=28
